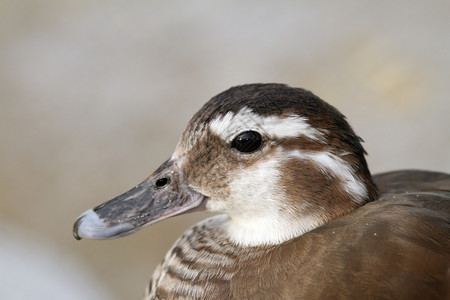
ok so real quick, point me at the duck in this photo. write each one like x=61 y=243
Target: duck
x=299 y=215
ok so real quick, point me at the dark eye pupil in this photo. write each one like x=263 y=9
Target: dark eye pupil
x=247 y=142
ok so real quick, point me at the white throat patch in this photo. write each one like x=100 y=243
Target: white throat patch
x=229 y=125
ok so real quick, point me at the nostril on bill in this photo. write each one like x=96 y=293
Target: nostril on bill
x=162 y=182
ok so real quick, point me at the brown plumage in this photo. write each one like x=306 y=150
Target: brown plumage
x=303 y=216
x=394 y=248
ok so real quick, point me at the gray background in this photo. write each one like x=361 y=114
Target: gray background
x=95 y=94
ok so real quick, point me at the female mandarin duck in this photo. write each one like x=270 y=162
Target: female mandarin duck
x=302 y=215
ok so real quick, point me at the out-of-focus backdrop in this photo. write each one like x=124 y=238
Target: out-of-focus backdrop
x=95 y=94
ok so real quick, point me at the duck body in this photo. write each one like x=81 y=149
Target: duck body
x=301 y=217
x=396 y=246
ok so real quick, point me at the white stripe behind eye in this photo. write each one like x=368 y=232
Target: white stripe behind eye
x=229 y=125
x=329 y=162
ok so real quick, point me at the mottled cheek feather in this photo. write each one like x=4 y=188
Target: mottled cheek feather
x=208 y=166
x=253 y=190
x=229 y=125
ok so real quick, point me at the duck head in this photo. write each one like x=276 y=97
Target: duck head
x=278 y=161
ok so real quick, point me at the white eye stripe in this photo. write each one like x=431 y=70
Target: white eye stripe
x=230 y=125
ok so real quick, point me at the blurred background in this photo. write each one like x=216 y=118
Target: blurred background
x=95 y=94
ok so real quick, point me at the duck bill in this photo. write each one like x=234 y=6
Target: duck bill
x=164 y=194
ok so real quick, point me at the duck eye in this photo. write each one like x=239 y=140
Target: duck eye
x=247 y=142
